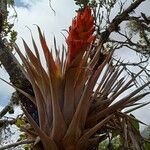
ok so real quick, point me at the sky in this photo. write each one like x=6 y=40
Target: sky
x=41 y=14
x=30 y=12
x=37 y=12
x=21 y=3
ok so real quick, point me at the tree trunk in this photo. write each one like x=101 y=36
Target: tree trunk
x=11 y=65
x=18 y=79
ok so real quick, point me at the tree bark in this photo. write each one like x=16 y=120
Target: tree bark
x=17 y=78
x=12 y=67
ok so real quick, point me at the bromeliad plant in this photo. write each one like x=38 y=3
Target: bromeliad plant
x=78 y=96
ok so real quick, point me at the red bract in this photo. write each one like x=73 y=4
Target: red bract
x=80 y=33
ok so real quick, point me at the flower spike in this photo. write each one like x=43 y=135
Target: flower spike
x=80 y=33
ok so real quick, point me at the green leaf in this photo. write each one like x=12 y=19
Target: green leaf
x=27 y=147
x=134 y=122
x=22 y=136
x=20 y=122
x=147 y=146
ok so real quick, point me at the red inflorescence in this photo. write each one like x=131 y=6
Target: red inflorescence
x=81 y=32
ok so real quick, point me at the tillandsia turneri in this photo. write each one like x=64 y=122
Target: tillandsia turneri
x=80 y=33
x=76 y=101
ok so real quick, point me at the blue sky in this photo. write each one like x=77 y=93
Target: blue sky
x=21 y=3
x=25 y=3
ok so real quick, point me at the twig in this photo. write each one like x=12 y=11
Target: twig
x=119 y=19
x=6 y=122
x=10 y=120
x=13 y=100
x=52 y=7
x=6 y=109
x=17 y=144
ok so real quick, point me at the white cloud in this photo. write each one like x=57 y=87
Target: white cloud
x=41 y=14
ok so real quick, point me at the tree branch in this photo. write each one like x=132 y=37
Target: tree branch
x=118 y=19
x=17 y=144
x=6 y=109
x=7 y=122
